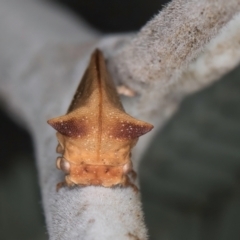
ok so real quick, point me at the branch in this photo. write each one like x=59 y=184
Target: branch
x=170 y=41
x=153 y=62
x=220 y=56
x=40 y=75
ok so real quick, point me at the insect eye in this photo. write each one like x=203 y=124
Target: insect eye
x=63 y=165
x=127 y=168
x=59 y=149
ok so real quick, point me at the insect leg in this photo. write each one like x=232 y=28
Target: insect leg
x=60 y=185
x=66 y=183
x=127 y=183
x=133 y=174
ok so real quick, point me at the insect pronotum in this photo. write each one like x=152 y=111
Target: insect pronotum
x=96 y=135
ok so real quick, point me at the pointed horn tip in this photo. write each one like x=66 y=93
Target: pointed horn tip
x=131 y=130
x=70 y=127
x=97 y=53
x=55 y=123
x=148 y=127
x=97 y=50
x=52 y=121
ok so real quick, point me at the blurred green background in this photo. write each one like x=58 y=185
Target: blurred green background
x=189 y=176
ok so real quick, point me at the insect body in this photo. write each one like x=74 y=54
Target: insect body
x=96 y=135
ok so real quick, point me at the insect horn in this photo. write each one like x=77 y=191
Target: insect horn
x=68 y=126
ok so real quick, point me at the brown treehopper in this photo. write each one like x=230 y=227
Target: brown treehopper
x=96 y=135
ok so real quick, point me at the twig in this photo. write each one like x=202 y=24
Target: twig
x=39 y=76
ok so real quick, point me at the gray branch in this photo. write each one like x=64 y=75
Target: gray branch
x=171 y=40
x=43 y=54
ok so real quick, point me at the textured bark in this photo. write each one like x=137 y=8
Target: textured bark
x=171 y=40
